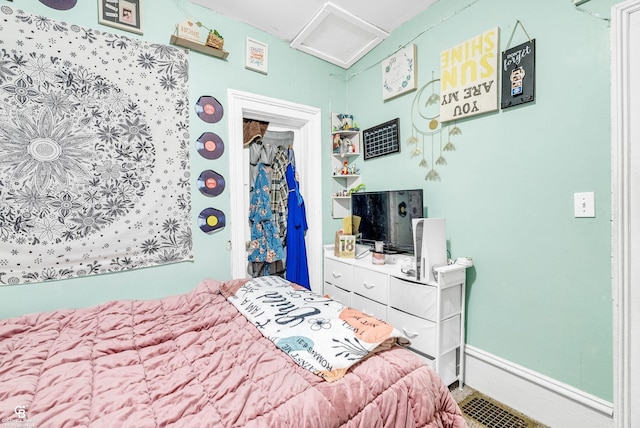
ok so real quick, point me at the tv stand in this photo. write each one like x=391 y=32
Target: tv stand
x=431 y=315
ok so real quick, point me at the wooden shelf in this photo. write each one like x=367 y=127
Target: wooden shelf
x=207 y=50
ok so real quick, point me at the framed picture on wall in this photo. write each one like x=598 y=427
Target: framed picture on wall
x=256 y=58
x=122 y=14
x=399 y=73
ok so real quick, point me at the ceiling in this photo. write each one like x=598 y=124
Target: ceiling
x=340 y=31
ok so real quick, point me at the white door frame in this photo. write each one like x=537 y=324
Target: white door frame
x=625 y=185
x=307 y=123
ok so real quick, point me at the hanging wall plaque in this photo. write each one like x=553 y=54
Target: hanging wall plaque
x=518 y=74
x=469 y=77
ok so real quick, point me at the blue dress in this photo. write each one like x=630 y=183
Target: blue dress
x=297 y=267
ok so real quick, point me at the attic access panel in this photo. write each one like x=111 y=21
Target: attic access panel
x=333 y=23
x=382 y=139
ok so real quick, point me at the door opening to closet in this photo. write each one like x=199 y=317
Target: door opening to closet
x=282 y=116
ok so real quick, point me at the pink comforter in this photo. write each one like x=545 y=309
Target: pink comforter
x=194 y=361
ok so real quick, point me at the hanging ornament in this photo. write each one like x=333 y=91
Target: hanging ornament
x=425 y=121
x=441 y=160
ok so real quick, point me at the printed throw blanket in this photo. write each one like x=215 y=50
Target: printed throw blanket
x=318 y=333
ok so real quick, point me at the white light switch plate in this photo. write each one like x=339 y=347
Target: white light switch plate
x=584 y=204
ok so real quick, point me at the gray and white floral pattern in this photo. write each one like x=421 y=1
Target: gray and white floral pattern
x=94 y=151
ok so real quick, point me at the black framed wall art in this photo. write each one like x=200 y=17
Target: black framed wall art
x=382 y=139
x=122 y=14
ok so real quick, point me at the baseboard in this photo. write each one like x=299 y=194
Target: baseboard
x=541 y=398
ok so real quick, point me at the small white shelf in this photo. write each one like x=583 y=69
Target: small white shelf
x=342 y=152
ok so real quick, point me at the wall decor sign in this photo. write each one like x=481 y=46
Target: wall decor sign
x=399 y=73
x=256 y=57
x=469 y=77
x=122 y=14
x=382 y=139
x=518 y=74
x=94 y=164
x=188 y=29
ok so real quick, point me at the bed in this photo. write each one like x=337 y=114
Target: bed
x=195 y=360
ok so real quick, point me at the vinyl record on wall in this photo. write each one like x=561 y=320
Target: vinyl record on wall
x=210 y=183
x=210 y=145
x=209 y=109
x=211 y=219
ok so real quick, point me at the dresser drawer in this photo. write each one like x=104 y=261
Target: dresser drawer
x=369 y=307
x=422 y=333
x=338 y=273
x=421 y=299
x=371 y=284
x=337 y=293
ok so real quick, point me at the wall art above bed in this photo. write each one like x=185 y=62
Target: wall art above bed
x=94 y=151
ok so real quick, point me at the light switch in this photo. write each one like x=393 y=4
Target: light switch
x=584 y=204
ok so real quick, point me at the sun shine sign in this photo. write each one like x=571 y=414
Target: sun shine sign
x=469 y=77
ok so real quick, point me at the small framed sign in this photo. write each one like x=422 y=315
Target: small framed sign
x=345 y=246
x=399 y=73
x=519 y=74
x=256 y=58
x=122 y=14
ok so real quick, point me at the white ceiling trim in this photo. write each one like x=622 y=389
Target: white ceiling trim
x=332 y=24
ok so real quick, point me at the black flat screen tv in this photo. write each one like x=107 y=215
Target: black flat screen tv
x=386 y=216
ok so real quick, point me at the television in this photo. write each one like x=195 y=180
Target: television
x=386 y=216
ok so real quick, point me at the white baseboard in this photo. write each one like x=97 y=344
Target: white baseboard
x=541 y=398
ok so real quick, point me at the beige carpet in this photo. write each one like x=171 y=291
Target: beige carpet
x=465 y=395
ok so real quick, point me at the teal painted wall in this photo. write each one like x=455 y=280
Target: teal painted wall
x=539 y=294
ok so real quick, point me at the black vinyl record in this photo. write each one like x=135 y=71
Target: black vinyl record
x=209 y=109
x=210 y=145
x=210 y=183
x=211 y=219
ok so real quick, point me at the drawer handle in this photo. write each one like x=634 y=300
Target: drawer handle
x=409 y=334
x=336 y=274
x=367 y=285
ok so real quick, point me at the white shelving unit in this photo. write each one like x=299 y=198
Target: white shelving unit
x=345 y=150
x=431 y=315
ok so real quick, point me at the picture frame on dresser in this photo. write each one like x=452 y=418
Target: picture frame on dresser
x=122 y=14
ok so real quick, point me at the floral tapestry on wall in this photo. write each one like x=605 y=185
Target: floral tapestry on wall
x=94 y=151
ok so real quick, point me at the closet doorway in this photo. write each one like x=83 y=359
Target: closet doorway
x=305 y=122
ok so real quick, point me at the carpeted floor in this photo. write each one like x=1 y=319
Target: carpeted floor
x=483 y=412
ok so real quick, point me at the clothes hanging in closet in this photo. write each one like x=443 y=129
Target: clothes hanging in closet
x=266 y=245
x=277 y=214
x=297 y=269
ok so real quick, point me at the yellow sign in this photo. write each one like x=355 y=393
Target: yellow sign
x=469 y=77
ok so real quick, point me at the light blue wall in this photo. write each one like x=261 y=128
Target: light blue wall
x=540 y=292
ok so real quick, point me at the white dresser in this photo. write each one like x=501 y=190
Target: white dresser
x=431 y=315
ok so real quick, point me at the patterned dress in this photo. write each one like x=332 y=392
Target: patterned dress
x=266 y=244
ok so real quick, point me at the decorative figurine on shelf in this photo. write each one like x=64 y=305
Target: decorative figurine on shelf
x=346 y=121
x=337 y=144
x=345 y=168
x=347 y=146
